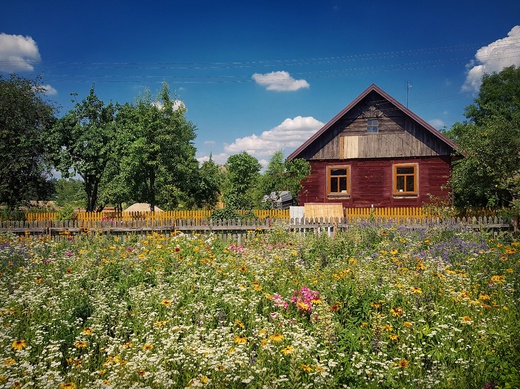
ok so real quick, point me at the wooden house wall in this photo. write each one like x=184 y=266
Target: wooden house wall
x=372 y=182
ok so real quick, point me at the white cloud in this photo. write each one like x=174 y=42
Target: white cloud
x=219 y=159
x=291 y=133
x=48 y=90
x=437 y=123
x=18 y=53
x=279 y=81
x=177 y=104
x=493 y=58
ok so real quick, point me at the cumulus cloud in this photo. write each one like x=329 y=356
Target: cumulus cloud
x=437 y=123
x=18 y=53
x=279 y=81
x=48 y=90
x=291 y=133
x=493 y=58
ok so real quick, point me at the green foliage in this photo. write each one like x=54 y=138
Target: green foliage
x=69 y=192
x=66 y=212
x=83 y=143
x=282 y=175
x=489 y=173
x=25 y=118
x=242 y=174
x=158 y=161
x=209 y=186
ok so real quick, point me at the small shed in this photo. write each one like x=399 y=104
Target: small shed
x=376 y=153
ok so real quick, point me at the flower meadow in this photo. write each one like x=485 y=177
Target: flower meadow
x=377 y=306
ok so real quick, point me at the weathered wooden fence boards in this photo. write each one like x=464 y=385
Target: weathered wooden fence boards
x=161 y=225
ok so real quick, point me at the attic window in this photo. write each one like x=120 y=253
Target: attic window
x=372 y=125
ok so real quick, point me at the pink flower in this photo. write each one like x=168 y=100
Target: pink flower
x=280 y=302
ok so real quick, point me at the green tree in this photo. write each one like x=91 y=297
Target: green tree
x=241 y=177
x=488 y=175
x=69 y=192
x=209 y=184
x=284 y=175
x=159 y=162
x=83 y=143
x=25 y=118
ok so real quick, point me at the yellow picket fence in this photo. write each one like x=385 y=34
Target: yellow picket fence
x=350 y=213
x=386 y=213
x=164 y=215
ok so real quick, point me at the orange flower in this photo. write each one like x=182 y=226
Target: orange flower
x=403 y=363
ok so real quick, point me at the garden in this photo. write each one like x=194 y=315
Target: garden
x=377 y=306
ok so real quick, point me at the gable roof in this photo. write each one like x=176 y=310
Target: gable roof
x=390 y=99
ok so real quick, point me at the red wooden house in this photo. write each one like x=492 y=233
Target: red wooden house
x=376 y=152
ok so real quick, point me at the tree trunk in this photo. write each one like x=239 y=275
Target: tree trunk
x=152 y=190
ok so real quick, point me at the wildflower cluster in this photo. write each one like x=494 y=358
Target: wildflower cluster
x=377 y=306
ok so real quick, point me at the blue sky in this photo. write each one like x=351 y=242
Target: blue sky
x=262 y=76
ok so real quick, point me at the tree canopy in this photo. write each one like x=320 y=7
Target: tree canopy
x=25 y=118
x=489 y=173
x=159 y=157
x=83 y=143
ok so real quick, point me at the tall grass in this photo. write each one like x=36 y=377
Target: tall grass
x=378 y=306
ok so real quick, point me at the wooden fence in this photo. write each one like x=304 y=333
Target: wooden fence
x=162 y=225
x=164 y=215
x=364 y=213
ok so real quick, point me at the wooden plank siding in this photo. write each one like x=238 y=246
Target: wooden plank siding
x=372 y=182
x=398 y=136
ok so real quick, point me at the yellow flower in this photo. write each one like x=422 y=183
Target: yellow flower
x=394 y=337
x=68 y=385
x=288 y=350
x=148 y=347
x=9 y=362
x=276 y=338
x=403 y=363
x=416 y=290
x=466 y=320
x=303 y=306
x=166 y=303
x=240 y=340
x=407 y=324
x=306 y=368
x=420 y=266
x=80 y=344
x=87 y=331
x=19 y=344
x=398 y=311
x=498 y=279
x=239 y=323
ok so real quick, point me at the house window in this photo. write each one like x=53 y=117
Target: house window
x=405 y=179
x=338 y=180
x=372 y=125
